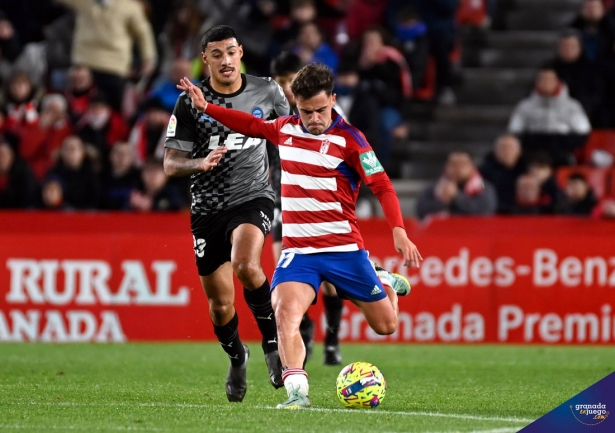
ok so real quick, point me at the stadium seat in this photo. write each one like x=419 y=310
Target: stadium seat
x=599 y=179
x=603 y=139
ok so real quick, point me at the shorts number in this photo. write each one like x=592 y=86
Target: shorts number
x=285 y=259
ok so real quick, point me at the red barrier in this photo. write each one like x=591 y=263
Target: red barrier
x=118 y=277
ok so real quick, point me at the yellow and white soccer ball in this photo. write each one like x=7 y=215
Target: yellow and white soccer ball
x=361 y=384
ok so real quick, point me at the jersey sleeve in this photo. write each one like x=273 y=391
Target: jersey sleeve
x=181 y=130
x=366 y=163
x=280 y=103
x=245 y=123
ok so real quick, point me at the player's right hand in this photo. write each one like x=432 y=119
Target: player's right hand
x=211 y=161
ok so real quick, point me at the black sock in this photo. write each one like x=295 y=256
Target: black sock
x=259 y=301
x=333 y=312
x=228 y=336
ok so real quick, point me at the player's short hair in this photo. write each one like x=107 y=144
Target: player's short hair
x=311 y=80
x=285 y=63
x=577 y=176
x=217 y=34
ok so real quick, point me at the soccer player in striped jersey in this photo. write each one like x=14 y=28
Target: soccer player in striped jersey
x=323 y=160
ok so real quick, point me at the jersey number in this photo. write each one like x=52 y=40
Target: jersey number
x=285 y=259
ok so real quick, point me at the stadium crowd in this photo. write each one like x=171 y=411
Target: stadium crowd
x=88 y=87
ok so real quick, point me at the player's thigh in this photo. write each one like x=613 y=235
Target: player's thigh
x=291 y=300
x=304 y=269
x=328 y=289
x=248 y=228
x=219 y=287
x=212 y=247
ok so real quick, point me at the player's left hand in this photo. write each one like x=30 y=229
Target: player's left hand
x=193 y=92
x=406 y=248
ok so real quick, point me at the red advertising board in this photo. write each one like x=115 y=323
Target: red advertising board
x=128 y=277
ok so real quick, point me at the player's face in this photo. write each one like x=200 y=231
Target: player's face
x=315 y=112
x=224 y=61
x=284 y=82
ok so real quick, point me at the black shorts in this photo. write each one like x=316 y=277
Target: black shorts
x=276 y=225
x=212 y=233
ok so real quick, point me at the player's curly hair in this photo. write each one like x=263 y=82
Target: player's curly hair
x=311 y=80
x=217 y=34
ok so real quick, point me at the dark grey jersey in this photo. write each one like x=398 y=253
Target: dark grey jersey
x=243 y=172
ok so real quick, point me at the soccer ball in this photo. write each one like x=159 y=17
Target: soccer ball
x=361 y=384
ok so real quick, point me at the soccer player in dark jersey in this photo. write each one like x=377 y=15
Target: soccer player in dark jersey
x=232 y=202
x=323 y=161
x=283 y=69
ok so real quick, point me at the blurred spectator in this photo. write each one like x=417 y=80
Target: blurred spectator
x=362 y=15
x=165 y=89
x=10 y=46
x=52 y=194
x=104 y=36
x=59 y=41
x=155 y=193
x=528 y=196
x=312 y=48
x=384 y=71
x=40 y=142
x=301 y=12
x=607 y=113
x=583 y=78
x=605 y=209
x=18 y=187
x=100 y=127
x=439 y=15
x=149 y=132
x=121 y=178
x=411 y=35
x=21 y=104
x=502 y=167
x=550 y=120
x=74 y=170
x=596 y=29
x=580 y=199
x=460 y=191
x=283 y=68
x=79 y=91
x=181 y=38
x=551 y=199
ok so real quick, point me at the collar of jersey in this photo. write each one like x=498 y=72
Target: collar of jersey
x=244 y=81
x=337 y=119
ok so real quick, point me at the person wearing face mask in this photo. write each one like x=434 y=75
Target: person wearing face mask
x=100 y=127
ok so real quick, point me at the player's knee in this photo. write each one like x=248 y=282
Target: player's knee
x=288 y=313
x=220 y=310
x=385 y=328
x=248 y=273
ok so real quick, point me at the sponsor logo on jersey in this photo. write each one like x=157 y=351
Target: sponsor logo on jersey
x=206 y=118
x=370 y=163
x=172 y=126
x=289 y=141
x=324 y=147
x=257 y=112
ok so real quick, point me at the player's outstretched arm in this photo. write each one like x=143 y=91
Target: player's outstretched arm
x=235 y=120
x=178 y=163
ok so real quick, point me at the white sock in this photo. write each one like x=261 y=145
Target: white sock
x=295 y=380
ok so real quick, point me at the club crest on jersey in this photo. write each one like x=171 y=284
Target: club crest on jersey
x=172 y=126
x=257 y=112
x=324 y=147
x=370 y=163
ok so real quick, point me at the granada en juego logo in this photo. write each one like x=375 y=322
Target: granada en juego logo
x=589 y=414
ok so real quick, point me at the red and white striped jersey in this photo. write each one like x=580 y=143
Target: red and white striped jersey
x=320 y=180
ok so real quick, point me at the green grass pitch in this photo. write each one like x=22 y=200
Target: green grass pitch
x=180 y=387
